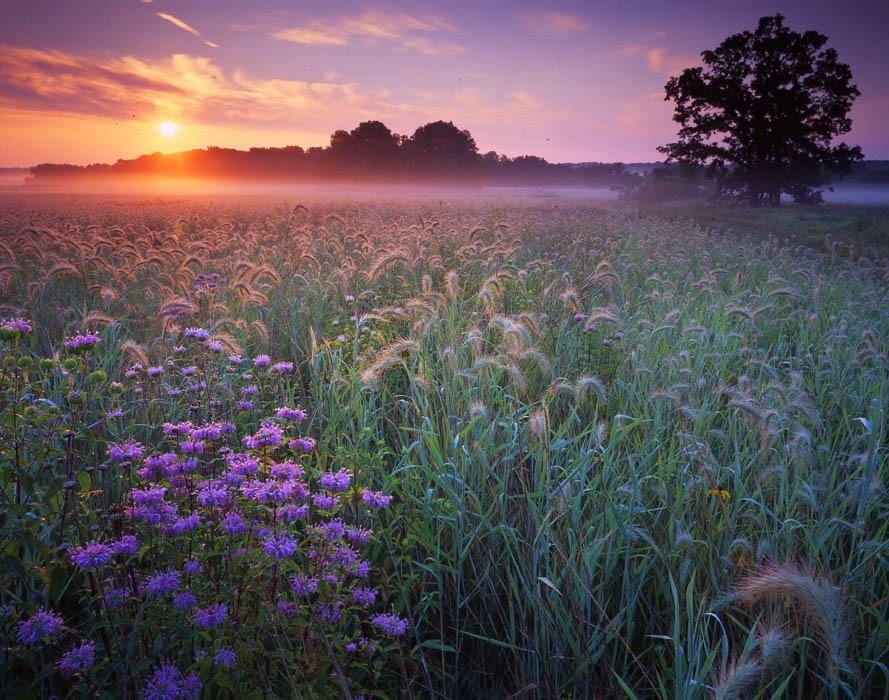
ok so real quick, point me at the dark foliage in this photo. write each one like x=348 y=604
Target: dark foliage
x=438 y=151
x=762 y=113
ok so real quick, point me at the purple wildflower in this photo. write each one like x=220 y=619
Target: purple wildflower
x=185 y=601
x=262 y=361
x=127 y=544
x=375 y=499
x=95 y=555
x=389 y=623
x=162 y=583
x=338 y=481
x=211 y=616
x=294 y=414
x=304 y=585
x=279 y=548
x=364 y=596
x=225 y=657
x=39 y=626
x=78 y=659
x=165 y=684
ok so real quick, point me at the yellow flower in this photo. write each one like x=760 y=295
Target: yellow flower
x=723 y=493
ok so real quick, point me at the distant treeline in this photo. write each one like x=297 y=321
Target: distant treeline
x=438 y=151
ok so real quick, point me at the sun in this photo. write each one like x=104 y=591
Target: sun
x=168 y=128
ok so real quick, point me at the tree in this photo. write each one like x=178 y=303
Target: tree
x=762 y=114
x=440 y=146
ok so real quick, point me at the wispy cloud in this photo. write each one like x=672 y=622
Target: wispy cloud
x=554 y=22
x=659 y=59
x=185 y=87
x=389 y=26
x=187 y=27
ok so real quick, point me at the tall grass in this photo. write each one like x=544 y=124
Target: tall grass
x=694 y=509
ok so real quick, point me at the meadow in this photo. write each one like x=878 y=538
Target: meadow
x=258 y=447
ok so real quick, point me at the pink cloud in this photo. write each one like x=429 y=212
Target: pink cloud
x=390 y=26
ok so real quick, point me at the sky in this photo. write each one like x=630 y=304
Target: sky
x=92 y=80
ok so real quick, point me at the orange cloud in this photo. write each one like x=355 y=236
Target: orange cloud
x=185 y=26
x=397 y=28
x=658 y=59
x=554 y=22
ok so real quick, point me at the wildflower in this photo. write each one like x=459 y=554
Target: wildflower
x=605 y=341
x=722 y=493
x=95 y=555
x=331 y=530
x=191 y=447
x=579 y=317
x=262 y=361
x=116 y=413
x=268 y=435
x=304 y=444
x=590 y=327
x=177 y=428
x=149 y=497
x=235 y=359
x=128 y=451
x=293 y=512
x=80 y=343
x=294 y=414
x=324 y=501
x=165 y=684
x=282 y=367
x=162 y=583
x=245 y=405
x=618 y=335
x=364 y=596
x=233 y=524
x=186 y=524
x=304 y=585
x=39 y=626
x=198 y=333
x=154 y=371
x=251 y=390
x=78 y=659
x=375 y=499
x=193 y=567
x=358 y=534
x=191 y=687
x=211 y=616
x=389 y=623
x=338 y=481
x=279 y=548
x=213 y=493
x=225 y=657
x=215 y=346
x=127 y=544
x=187 y=371
x=349 y=297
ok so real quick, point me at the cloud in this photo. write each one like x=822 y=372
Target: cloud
x=183 y=87
x=554 y=22
x=659 y=59
x=387 y=25
x=185 y=26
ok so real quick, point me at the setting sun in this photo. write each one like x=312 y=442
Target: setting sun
x=168 y=128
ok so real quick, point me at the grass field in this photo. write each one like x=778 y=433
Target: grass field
x=628 y=451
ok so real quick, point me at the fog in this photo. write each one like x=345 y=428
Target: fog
x=14 y=183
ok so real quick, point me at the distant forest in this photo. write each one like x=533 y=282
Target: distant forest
x=370 y=152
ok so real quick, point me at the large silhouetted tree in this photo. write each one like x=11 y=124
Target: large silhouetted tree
x=441 y=146
x=762 y=114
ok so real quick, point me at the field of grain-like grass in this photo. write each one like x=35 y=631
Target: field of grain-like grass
x=266 y=449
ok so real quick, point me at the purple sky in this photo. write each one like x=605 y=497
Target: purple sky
x=91 y=80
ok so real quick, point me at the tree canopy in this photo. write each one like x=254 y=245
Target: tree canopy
x=762 y=114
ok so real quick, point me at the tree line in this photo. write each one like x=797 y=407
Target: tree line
x=371 y=152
